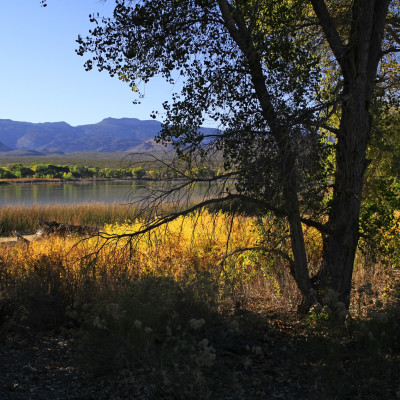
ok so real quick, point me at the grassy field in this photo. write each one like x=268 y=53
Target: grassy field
x=157 y=161
x=187 y=317
x=88 y=159
x=97 y=159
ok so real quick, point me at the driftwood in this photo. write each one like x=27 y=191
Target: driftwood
x=49 y=228
x=20 y=238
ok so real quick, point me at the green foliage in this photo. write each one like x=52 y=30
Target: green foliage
x=200 y=172
x=78 y=171
x=20 y=171
x=67 y=175
x=6 y=174
x=139 y=172
x=49 y=170
x=380 y=218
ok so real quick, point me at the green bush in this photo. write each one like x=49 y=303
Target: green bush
x=6 y=174
x=139 y=172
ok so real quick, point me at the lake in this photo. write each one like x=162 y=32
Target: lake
x=121 y=192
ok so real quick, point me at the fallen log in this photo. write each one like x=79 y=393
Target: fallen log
x=48 y=228
x=20 y=238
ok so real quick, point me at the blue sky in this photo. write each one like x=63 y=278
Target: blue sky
x=43 y=80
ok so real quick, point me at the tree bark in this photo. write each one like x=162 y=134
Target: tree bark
x=301 y=273
x=358 y=61
x=337 y=268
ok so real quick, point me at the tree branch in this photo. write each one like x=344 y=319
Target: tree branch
x=331 y=33
x=164 y=220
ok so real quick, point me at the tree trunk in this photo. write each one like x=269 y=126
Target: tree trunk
x=337 y=268
x=358 y=58
x=290 y=190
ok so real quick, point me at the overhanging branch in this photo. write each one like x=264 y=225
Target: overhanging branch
x=165 y=220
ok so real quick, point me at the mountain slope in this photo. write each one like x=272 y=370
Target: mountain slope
x=108 y=135
x=3 y=147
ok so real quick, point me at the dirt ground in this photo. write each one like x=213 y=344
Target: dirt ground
x=290 y=365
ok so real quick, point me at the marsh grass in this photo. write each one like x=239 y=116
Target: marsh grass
x=167 y=307
x=26 y=218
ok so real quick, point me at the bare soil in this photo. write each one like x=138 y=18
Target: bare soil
x=292 y=364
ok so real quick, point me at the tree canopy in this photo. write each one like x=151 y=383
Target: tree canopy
x=292 y=85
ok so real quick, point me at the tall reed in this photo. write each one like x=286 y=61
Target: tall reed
x=26 y=218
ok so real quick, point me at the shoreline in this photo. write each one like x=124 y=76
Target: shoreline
x=61 y=180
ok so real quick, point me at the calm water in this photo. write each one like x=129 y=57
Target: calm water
x=76 y=192
x=71 y=192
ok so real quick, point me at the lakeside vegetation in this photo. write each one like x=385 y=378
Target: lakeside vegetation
x=180 y=303
x=26 y=218
x=297 y=299
x=14 y=171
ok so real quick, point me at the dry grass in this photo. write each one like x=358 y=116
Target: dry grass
x=188 y=251
x=25 y=218
x=200 y=243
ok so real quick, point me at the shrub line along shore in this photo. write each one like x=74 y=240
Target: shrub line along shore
x=61 y=180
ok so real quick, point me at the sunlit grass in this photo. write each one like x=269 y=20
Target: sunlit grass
x=87 y=270
x=197 y=242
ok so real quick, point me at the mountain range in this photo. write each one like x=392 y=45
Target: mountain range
x=109 y=135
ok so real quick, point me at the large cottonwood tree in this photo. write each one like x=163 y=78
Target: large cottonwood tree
x=257 y=67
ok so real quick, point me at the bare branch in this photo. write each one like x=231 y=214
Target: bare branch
x=260 y=248
x=164 y=220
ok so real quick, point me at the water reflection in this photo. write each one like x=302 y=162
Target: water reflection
x=79 y=192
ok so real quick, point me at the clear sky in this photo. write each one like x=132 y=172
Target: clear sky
x=43 y=80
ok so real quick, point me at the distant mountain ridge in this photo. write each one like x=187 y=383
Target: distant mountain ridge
x=108 y=135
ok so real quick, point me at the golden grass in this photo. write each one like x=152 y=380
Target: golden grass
x=186 y=244
x=85 y=270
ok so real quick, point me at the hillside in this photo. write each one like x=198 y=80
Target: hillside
x=108 y=135
x=3 y=147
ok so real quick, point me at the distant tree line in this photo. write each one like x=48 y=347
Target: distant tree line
x=50 y=171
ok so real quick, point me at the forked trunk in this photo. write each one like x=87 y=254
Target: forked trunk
x=358 y=59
